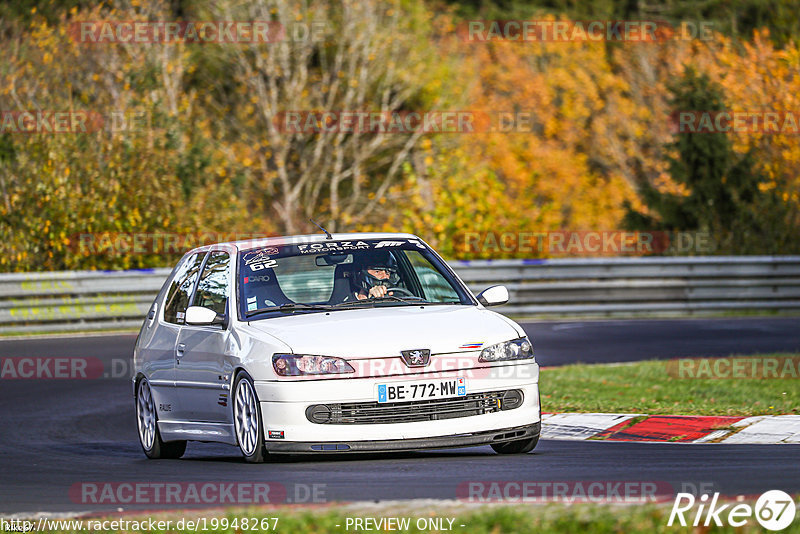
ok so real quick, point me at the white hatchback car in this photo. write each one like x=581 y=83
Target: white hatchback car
x=330 y=344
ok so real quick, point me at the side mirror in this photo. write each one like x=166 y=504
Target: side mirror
x=198 y=315
x=491 y=296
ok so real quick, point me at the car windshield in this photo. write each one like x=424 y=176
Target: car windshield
x=338 y=275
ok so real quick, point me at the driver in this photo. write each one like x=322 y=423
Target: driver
x=376 y=271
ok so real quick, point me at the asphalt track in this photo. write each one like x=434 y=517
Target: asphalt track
x=558 y=343
x=59 y=433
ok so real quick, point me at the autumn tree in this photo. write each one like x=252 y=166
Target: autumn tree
x=161 y=172
x=363 y=56
x=723 y=187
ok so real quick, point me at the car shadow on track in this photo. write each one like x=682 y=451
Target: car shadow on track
x=199 y=455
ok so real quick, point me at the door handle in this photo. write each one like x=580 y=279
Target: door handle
x=179 y=350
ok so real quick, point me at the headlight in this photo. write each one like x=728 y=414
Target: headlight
x=307 y=364
x=516 y=349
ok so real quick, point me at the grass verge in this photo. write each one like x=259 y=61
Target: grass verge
x=466 y=519
x=647 y=387
x=22 y=334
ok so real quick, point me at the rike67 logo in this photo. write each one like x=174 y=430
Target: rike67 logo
x=774 y=510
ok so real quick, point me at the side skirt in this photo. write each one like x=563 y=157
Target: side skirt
x=191 y=431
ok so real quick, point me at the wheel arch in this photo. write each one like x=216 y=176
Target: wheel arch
x=239 y=368
x=135 y=382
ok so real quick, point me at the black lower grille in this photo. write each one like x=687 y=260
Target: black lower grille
x=369 y=413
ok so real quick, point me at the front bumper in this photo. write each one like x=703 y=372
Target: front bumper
x=283 y=411
x=393 y=445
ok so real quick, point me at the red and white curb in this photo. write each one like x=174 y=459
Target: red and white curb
x=764 y=429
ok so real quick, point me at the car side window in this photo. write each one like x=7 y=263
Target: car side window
x=181 y=288
x=212 y=290
x=437 y=288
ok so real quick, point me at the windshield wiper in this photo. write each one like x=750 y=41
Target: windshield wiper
x=407 y=298
x=373 y=300
x=289 y=308
x=352 y=303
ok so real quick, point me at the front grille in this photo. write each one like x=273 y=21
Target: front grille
x=370 y=413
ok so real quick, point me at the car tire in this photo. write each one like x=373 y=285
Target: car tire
x=147 y=424
x=247 y=422
x=516 y=447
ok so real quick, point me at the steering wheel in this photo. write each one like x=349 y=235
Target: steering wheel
x=403 y=291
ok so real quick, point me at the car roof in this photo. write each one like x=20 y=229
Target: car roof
x=247 y=244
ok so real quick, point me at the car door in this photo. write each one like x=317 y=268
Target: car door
x=158 y=339
x=175 y=305
x=202 y=370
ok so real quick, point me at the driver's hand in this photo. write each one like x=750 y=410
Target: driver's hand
x=377 y=292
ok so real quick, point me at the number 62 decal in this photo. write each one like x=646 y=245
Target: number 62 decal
x=264 y=265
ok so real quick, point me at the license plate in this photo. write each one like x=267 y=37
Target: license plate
x=422 y=390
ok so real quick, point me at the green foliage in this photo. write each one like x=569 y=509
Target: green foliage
x=27 y=10
x=736 y=18
x=209 y=157
x=547 y=518
x=740 y=18
x=724 y=188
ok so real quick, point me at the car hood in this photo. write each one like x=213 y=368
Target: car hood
x=385 y=331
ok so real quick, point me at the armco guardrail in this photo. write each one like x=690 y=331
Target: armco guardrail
x=635 y=286
x=82 y=300
x=77 y=300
